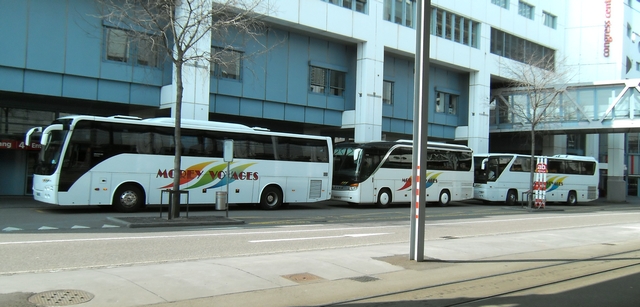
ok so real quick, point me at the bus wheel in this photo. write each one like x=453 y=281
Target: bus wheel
x=128 y=198
x=271 y=198
x=444 y=199
x=512 y=198
x=572 y=199
x=384 y=198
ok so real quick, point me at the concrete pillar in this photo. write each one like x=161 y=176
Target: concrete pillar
x=554 y=145
x=592 y=146
x=616 y=186
x=368 y=112
x=195 y=77
x=478 y=128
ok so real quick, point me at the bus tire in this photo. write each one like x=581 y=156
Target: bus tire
x=512 y=198
x=384 y=198
x=572 y=198
x=444 y=199
x=271 y=198
x=128 y=198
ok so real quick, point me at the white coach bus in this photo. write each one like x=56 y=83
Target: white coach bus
x=505 y=177
x=127 y=162
x=380 y=172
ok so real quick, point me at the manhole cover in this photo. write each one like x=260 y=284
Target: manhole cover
x=302 y=277
x=60 y=298
x=450 y=237
x=365 y=278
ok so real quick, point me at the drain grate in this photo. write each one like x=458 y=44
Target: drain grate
x=60 y=298
x=302 y=277
x=364 y=278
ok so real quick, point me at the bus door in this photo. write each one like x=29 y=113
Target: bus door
x=397 y=169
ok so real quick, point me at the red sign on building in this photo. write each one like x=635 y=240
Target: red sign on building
x=19 y=145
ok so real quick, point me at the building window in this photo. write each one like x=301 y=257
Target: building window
x=400 y=11
x=387 y=92
x=501 y=3
x=356 y=5
x=454 y=27
x=129 y=47
x=633 y=146
x=321 y=79
x=521 y=50
x=549 y=20
x=446 y=103
x=525 y=9
x=226 y=63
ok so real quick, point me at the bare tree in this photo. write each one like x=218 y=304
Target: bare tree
x=183 y=30
x=535 y=88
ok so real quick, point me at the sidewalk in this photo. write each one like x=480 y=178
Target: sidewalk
x=501 y=270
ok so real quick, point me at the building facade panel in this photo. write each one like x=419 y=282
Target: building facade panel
x=46 y=52
x=251 y=108
x=14 y=48
x=113 y=91
x=42 y=83
x=83 y=41
x=12 y=79
x=80 y=87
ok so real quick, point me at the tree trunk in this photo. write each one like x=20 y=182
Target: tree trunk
x=532 y=165
x=174 y=210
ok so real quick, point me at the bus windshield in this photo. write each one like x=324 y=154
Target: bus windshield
x=496 y=165
x=353 y=164
x=49 y=157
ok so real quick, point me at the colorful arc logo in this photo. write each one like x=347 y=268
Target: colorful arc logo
x=555 y=182
x=432 y=177
x=209 y=175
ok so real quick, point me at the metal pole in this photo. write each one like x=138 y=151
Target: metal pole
x=420 y=115
x=228 y=180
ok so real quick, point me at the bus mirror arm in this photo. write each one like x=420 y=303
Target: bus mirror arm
x=483 y=164
x=27 y=138
x=46 y=134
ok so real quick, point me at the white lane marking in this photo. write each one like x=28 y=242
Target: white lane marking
x=11 y=229
x=79 y=227
x=200 y=235
x=546 y=217
x=110 y=226
x=47 y=228
x=358 y=235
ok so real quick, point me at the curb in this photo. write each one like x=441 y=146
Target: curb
x=142 y=222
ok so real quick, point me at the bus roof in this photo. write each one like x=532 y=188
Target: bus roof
x=186 y=123
x=563 y=157
x=389 y=144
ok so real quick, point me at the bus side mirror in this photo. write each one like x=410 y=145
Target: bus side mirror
x=27 y=138
x=483 y=164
